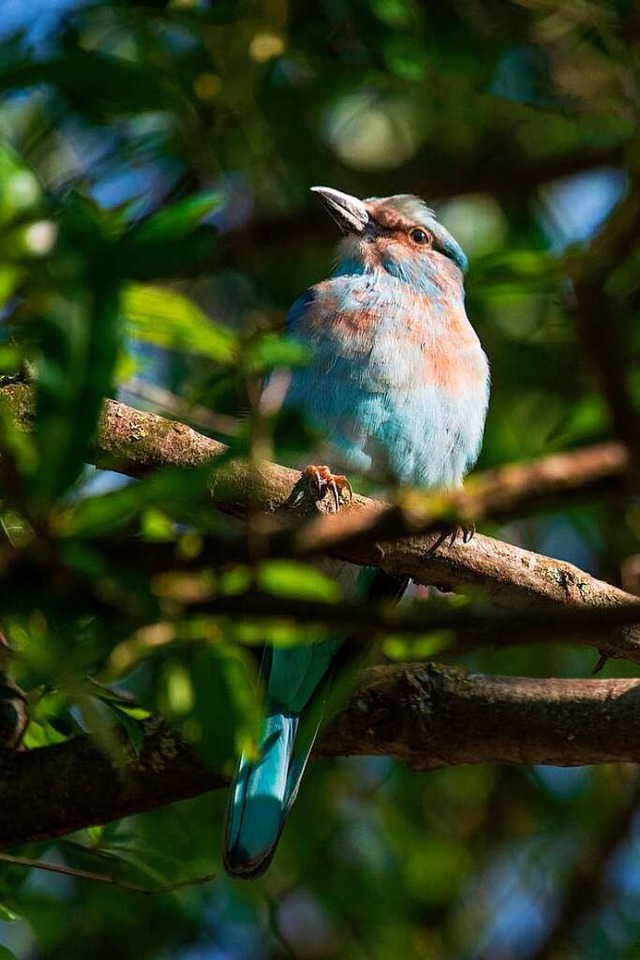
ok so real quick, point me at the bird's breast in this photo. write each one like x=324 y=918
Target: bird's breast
x=395 y=338
x=398 y=380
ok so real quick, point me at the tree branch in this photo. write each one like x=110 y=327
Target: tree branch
x=427 y=715
x=136 y=443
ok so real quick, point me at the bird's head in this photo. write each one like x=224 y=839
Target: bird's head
x=399 y=235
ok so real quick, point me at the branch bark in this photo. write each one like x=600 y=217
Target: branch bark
x=424 y=714
x=135 y=443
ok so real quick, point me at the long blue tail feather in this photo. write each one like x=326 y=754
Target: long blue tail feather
x=257 y=799
x=298 y=682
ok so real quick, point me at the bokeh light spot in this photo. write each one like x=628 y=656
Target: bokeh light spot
x=476 y=220
x=370 y=134
x=40 y=237
x=266 y=46
x=207 y=86
x=24 y=189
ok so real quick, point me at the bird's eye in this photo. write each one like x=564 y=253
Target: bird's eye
x=419 y=236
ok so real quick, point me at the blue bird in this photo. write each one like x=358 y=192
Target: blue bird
x=399 y=385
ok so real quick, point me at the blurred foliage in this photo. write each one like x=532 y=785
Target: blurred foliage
x=156 y=224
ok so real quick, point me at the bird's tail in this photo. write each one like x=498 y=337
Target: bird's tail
x=262 y=793
x=301 y=683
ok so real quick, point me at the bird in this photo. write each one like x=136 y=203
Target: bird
x=398 y=385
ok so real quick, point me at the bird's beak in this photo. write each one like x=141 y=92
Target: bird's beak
x=349 y=213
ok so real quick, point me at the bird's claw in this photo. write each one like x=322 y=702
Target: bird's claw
x=317 y=482
x=601 y=663
x=468 y=531
x=450 y=533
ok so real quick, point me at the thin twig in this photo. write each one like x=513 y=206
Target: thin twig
x=167 y=402
x=103 y=877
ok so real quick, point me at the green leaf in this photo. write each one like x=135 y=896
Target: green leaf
x=17 y=447
x=156 y=526
x=129 y=719
x=109 y=695
x=10 y=278
x=178 y=689
x=77 y=334
x=225 y=704
x=8 y=916
x=417 y=648
x=179 y=219
x=20 y=188
x=78 y=351
x=10 y=354
x=172 y=242
x=166 y=489
x=288 y=578
x=170 y=320
x=272 y=350
x=235 y=580
x=96 y=834
x=94 y=83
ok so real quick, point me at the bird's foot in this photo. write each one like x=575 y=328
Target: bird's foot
x=318 y=482
x=449 y=533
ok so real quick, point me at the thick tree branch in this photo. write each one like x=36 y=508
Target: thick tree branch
x=136 y=443
x=426 y=715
